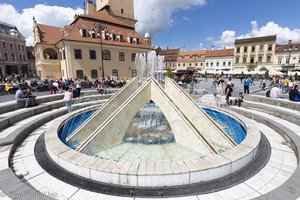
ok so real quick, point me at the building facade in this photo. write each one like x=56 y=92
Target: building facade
x=219 y=60
x=170 y=57
x=191 y=60
x=13 y=53
x=287 y=57
x=256 y=52
x=96 y=44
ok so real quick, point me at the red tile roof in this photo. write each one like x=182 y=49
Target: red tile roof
x=219 y=53
x=285 y=47
x=49 y=34
x=52 y=35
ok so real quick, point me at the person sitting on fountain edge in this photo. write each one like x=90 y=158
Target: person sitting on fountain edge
x=294 y=94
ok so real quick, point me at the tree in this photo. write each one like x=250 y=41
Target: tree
x=170 y=73
x=267 y=73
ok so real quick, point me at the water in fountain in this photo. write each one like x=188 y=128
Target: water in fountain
x=148 y=65
x=149 y=126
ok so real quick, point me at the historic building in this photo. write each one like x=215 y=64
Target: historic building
x=219 y=60
x=13 y=53
x=101 y=42
x=31 y=62
x=170 y=57
x=256 y=52
x=287 y=56
x=191 y=60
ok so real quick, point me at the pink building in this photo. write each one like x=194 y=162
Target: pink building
x=13 y=53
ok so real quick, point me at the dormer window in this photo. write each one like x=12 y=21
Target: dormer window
x=83 y=32
x=137 y=40
x=114 y=36
x=106 y=36
x=131 y=40
x=93 y=33
x=121 y=38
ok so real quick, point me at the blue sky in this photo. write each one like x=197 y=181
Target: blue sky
x=187 y=24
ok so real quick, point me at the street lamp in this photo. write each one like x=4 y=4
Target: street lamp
x=290 y=45
x=101 y=29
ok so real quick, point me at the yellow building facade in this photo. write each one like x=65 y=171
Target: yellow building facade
x=74 y=51
x=256 y=52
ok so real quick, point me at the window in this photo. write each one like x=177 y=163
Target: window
x=84 y=33
x=106 y=36
x=190 y=64
x=4 y=45
x=253 y=48
x=299 y=60
x=201 y=64
x=260 y=59
x=244 y=59
x=121 y=56
x=238 y=49
x=211 y=64
x=79 y=74
x=122 y=11
x=206 y=64
x=217 y=64
x=133 y=57
x=23 y=48
x=24 y=58
x=114 y=37
x=13 y=57
x=93 y=55
x=252 y=60
x=114 y=73
x=134 y=73
x=19 y=46
x=245 y=49
x=196 y=64
x=268 y=59
x=5 y=56
x=279 y=61
x=64 y=54
x=106 y=55
x=93 y=34
x=20 y=57
x=229 y=63
x=137 y=40
x=224 y=63
x=11 y=46
x=94 y=73
x=183 y=64
x=131 y=40
x=77 y=53
x=287 y=61
x=270 y=47
x=261 y=47
x=237 y=60
x=121 y=38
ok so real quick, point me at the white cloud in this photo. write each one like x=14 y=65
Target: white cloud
x=283 y=34
x=187 y=20
x=155 y=16
x=51 y=15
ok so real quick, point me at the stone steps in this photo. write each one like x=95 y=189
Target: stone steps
x=291 y=132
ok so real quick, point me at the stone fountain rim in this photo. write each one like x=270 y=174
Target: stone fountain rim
x=136 y=174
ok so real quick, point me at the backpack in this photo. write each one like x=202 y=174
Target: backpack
x=268 y=93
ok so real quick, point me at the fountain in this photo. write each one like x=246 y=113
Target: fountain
x=152 y=135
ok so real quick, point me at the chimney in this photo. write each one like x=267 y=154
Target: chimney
x=212 y=47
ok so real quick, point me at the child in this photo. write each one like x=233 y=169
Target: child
x=68 y=98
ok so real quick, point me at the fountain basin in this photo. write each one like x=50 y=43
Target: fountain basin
x=157 y=173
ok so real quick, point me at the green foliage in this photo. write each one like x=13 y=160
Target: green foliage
x=169 y=73
x=267 y=73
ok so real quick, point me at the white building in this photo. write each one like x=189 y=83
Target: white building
x=219 y=60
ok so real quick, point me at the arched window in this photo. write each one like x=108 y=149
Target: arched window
x=106 y=55
x=79 y=74
x=94 y=73
x=50 y=54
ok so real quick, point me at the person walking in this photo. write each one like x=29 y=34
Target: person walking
x=228 y=91
x=247 y=85
x=68 y=98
